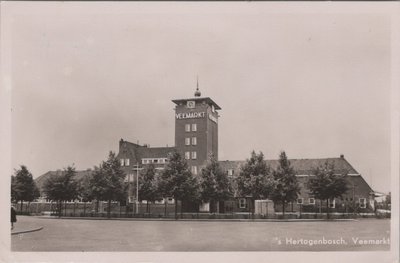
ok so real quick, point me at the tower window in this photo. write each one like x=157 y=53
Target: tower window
x=187 y=155
x=126 y=162
x=122 y=162
x=194 y=140
x=194 y=126
x=187 y=141
x=187 y=127
x=230 y=172
x=194 y=169
x=194 y=155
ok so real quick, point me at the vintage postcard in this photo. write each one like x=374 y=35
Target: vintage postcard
x=200 y=131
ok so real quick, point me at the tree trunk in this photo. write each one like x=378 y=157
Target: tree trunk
x=109 y=209
x=327 y=208
x=59 y=204
x=283 y=209
x=84 y=208
x=22 y=203
x=181 y=209
x=165 y=207
x=176 y=209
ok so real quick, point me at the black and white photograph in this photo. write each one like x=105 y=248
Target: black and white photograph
x=199 y=131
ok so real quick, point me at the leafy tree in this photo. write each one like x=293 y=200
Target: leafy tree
x=85 y=190
x=255 y=178
x=177 y=181
x=23 y=187
x=107 y=182
x=286 y=186
x=388 y=200
x=62 y=187
x=148 y=188
x=214 y=183
x=326 y=185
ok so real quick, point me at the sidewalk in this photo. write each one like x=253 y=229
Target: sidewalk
x=23 y=231
x=195 y=219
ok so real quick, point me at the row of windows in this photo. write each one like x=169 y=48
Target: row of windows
x=191 y=127
x=193 y=140
x=311 y=201
x=187 y=155
x=125 y=162
x=154 y=160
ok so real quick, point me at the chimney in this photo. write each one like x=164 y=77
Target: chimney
x=342 y=156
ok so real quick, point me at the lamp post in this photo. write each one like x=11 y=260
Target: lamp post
x=137 y=168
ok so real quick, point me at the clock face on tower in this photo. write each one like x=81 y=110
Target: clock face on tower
x=191 y=104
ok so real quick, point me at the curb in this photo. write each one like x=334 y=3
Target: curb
x=27 y=231
x=203 y=220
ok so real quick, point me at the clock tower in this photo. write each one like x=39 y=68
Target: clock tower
x=196 y=129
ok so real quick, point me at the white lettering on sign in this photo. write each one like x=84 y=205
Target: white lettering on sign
x=211 y=117
x=190 y=115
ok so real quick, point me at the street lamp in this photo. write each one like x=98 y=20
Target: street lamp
x=137 y=168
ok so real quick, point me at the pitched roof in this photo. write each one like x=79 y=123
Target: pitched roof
x=136 y=152
x=40 y=181
x=301 y=166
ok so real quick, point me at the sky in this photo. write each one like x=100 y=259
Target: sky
x=85 y=75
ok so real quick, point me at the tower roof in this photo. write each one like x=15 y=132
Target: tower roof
x=198 y=99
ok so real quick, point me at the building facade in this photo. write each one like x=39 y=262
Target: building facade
x=196 y=130
x=196 y=138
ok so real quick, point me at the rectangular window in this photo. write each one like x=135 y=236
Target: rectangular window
x=187 y=155
x=311 y=201
x=194 y=140
x=187 y=127
x=122 y=162
x=194 y=170
x=242 y=203
x=187 y=141
x=363 y=202
x=194 y=155
x=230 y=172
x=194 y=126
x=126 y=162
x=331 y=203
x=299 y=201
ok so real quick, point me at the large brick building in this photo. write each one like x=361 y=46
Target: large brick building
x=196 y=137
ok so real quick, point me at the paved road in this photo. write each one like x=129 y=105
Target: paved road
x=115 y=235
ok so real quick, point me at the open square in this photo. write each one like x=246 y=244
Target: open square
x=138 y=235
